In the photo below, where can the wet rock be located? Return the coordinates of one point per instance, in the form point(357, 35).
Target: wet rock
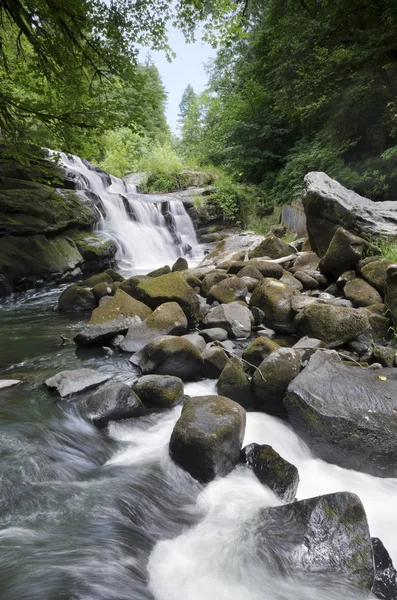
point(227, 291)
point(214, 334)
point(94, 335)
point(258, 350)
point(292, 281)
point(360, 293)
point(234, 318)
point(197, 340)
point(385, 584)
point(159, 391)
point(385, 355)
point(267, 268)
point(343, 413)
point(101, 290)
point(324, 538)
point(92, 281)
point(180, 264)
point(343, 253)
point(130, 285)
point(170, 288)
point(233, 383)
point(274, 298)
point(335, 325)
point(272, 470)
point(308, 346)
point(309, 283)
point(8, 383)
point(115, 275)
point(272, 377)
point(215, 360)
point(375, 274)
point(76, 299)
point(67, 383)
point(169, 355)
point(113, 402)
point(250, 283)
point(272, 247)
point(207, 438)
point(121, 305)
point(250, 271)
point(161, 271)
point(328, 205)
point(258, 315)
point(210, 280)
point(307, 260)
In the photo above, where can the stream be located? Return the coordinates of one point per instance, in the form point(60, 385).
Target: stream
point(87, 514)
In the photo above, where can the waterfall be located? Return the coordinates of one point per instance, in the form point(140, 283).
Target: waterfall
point(149, 230)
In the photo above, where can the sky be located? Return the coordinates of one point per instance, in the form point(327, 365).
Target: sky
point(187, 67)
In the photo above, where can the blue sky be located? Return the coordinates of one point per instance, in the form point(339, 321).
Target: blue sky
point(187, 67)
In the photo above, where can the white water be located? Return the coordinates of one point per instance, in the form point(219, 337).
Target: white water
point(135, 221)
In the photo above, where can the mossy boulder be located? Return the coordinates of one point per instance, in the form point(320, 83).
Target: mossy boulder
point(161, 271)
point(272, 377)
point(258, 350)
point(272, 247)
point(227, 291)
point(114, 401)
point(274, 298)
point(93, 249)
point(169, 355)
point(272, 470)
point(76, 299)
point(335, 325)
point(375, 273)
point(101, 289)
point(266, 268)
point(215, 360)
point(391, 291)
point(210, 280)
point(233, 383)
point(180, 264)
point(235, 318)
point(385, 355)
point(171, 287)
point(250, 271)
point(207, 438)
point(344, 252)
point(192, 280)
point(308, 282)
point(130, 285)
point(159, 391)
point(95, 279)
point(121, 305)
point(361, 293)
point(306, 261)
point(115, 275)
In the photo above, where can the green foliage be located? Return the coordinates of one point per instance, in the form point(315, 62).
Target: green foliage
point(163, 166)
point(383, 246)
point(237, 201)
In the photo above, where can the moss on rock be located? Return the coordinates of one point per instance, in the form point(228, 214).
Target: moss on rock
point(335, 325)
point(76, 299)
point(227, 291)
point(361, 293)
point(121, 305)
point(233, 383)
point(272, 247)
point(258, 350)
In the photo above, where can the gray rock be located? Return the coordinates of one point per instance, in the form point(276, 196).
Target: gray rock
point(234, 318)
point(272, 470)
point(7, 383)
point(328, 205)
point(180, 264)
point(207, 438)
point(274, 298)
point(324, 539)
point(169, 355)
point(159, 391)
point(385, 584)
point(113, 402)
point(308, 346)
point(308, 282)
point(67, 383)
point(196, 339)
point(93, 335)
point(346, 414)
point(233, 383)
point(76, 298)
point(215, 360)
point(343, 253)
point(214, 334)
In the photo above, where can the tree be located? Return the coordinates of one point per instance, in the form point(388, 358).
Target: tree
point(188, 97)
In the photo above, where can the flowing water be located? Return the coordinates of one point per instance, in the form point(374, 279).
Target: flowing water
point(106, 515)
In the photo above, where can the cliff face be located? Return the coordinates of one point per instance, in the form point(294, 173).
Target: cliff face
point(46, 230)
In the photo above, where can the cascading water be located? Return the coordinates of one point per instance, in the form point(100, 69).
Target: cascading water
point(149, 230)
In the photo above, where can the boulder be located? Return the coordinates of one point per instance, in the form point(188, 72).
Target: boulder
point(289, 279)
point(101, 290)
point(8, 383)
point(76, 299)
point(272, 470)
point(323, 540)
point(308, 282)
point(308, 346)
point(167, 319)
point(385, 355)
point(234, 318)
point(272, 247)
point(360, 293)
point(67, 383)
point(233, 383)
point(375, 273)
point(215, 360)
point(93, 335)
point(121, 305)
point(266, 268)
point(115, 275)
point(385, 584)
point(210, 280)
point(214, 334)
point(252, 272)
point(130, 285)
point(171, 287)
point(250, 283)
point(169, 355)
point(207, 438)
point(227, 291)
point(92, 281)
point(113, 402)
point(272, 377)
point(328, 205)
point(180, 264)
point(256, 352)
point(274, 298)
point(234, 247)
point(343, 253)
point(346, 414)
point(391, 291)
point(161, 271)
point(335, 325)
point(196, 339)
point(307, 260)
point(159, 391)
point(96, 251)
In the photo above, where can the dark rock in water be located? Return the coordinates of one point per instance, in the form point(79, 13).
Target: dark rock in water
point(233, 383)
point(324, 539)
point(328, 205)
point(234, 318)
point(343, 253)
point(385, 584)
point(93, 335)
point(67, 383)
point(169, 355)
point(215, 360)
point(207, 438)
point(5, 286)
point(346, 414)
point(180, 264)
point(335, 325)
point(113, 402)
point(272, 470)
point(272, 377)
point(161, 271)
point(76, 299)
point(159, 391)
